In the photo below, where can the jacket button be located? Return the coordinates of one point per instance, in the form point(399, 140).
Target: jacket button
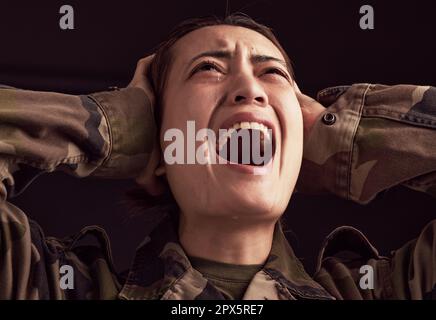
point(329, 118)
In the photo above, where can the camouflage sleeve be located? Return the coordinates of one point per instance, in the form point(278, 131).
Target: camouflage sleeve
point(349, 267)
point(371, 138)
point(107, 134)
point(36, 267)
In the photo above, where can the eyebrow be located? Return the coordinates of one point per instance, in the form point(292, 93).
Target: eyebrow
point(223, 54)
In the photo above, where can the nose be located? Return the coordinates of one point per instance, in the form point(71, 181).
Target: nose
point(245, 89)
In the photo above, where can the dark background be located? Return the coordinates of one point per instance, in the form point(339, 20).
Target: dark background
point(322, 38)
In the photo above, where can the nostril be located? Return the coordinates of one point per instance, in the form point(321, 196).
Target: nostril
point(259, 99)
point(239, 98)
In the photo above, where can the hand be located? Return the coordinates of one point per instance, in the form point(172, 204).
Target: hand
point(149, 176)
point(310, 108)
point(140, 77)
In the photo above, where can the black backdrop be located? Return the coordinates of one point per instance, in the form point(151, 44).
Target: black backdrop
point(324, 41)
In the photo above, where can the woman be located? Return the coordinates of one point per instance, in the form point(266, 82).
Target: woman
point(221, 239)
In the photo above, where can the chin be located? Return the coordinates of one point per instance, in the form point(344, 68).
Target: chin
point(254, 205)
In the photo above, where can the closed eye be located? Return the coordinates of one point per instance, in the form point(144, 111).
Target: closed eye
point(207, 66)
point(276, 71)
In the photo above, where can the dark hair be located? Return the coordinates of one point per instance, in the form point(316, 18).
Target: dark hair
point(160, 66)
point(137, 199)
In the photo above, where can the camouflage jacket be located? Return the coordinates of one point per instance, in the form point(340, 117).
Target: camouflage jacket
point(370, 138)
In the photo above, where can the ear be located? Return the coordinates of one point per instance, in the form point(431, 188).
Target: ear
point(149, 177)
point(160, 170)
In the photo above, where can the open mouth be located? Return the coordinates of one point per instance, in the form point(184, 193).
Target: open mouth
point(248, 143)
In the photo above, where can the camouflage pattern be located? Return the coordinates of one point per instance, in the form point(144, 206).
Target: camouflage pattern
point(408, 273)
point(383, 136)
point(170, 276)
point(110, 134)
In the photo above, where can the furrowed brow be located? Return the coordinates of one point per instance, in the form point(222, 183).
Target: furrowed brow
point(224, 54)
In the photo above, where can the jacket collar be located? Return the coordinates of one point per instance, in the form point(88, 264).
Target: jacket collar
point(161, 270)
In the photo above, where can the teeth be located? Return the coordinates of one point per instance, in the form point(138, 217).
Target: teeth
point(255, 125)
point(251, 125)
point(245, 125)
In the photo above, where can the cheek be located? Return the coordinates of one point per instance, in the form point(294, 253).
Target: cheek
point(191, 103)
point(289, 114)
point(292, 139)
point(180, 107)
point(199, 103)
point(296, 119)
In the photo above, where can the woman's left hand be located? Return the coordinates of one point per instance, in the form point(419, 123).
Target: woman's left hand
point(310, 108)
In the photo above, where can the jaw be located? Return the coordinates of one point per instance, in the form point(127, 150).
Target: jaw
point(269, 192)
point(247, 188)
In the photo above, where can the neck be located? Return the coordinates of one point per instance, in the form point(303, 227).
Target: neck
point(226, 241)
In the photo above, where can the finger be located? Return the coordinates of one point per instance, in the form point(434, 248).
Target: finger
point(304, 100)
point(143, 64)
point(141, 69)
point(296, 88)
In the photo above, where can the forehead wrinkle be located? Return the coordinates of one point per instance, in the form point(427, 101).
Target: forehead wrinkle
point(241, 49)
point(223, 41)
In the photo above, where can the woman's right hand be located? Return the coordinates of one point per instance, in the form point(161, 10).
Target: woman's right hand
point(149, 176)
point(140, 80)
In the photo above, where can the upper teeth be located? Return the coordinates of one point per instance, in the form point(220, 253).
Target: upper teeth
point(244, 125)
point(252, 125)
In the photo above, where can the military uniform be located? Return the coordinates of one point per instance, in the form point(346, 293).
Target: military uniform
point(370, 138)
